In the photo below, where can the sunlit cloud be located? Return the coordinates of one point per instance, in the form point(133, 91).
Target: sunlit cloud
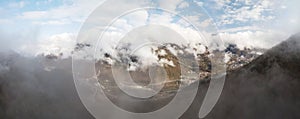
point(243, 21)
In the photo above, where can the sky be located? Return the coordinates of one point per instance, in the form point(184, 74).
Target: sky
point(51, 26)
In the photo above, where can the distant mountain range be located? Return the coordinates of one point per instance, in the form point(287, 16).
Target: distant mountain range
point(259, 84)
point(183, 65)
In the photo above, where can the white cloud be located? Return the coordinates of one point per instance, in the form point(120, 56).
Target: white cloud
point(199, 3)
point(137, 18)
point(183, 5)
point(60, 43)
point(55, 44)
point(164, 18)
point(220, 3)
point(206, 23)
point(254, 39)
point(249, 11)
point(169, 4)
point(79, 9)
point(53, 22)
point(244, 28)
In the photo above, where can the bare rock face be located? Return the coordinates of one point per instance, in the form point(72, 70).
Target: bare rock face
point(179, 62)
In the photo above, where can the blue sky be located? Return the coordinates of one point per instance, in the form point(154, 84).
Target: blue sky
point(28, 23)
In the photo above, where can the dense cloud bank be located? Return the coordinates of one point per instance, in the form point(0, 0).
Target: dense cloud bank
point(34, 89)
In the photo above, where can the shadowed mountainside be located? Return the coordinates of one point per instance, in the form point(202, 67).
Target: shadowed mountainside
point(267, 88)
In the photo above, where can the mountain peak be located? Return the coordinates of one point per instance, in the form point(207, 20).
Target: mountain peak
point(285, 55)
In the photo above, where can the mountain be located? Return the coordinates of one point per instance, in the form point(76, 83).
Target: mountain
point(266, 88)
point(183, 64)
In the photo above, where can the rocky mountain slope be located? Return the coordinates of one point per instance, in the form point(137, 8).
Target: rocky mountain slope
point(267, 88)
point(183, 65)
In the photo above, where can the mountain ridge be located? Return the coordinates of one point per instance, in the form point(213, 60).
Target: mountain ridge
point(265, 88)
